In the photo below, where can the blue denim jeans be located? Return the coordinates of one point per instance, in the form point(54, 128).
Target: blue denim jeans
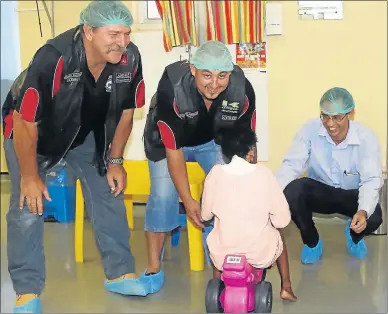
point(162, 210)
point(26, 260)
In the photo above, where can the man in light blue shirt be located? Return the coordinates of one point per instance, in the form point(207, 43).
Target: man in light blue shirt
point(344, 175)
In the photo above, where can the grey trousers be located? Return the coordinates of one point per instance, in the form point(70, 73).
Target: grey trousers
point(26, 260)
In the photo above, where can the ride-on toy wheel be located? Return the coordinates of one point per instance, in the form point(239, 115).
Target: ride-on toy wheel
point(263, 297)
point(213, 293)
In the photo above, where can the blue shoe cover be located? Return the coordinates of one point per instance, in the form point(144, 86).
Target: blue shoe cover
point(128, 286)
point(358, 250)
point(312, 255)
point(153, 282)
point(32, 306)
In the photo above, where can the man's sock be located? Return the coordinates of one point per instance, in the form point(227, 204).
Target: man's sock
point(24, 298)
point(126, 276)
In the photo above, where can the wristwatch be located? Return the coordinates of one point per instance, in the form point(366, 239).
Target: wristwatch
point(116, 161)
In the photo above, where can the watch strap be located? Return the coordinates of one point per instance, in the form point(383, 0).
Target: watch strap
point(116, 161)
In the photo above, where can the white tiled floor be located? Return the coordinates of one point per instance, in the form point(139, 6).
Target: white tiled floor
point(337, 284)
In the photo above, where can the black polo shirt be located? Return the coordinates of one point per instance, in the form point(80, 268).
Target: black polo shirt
point(43, 81)
point(171, 126)
point(95, 102)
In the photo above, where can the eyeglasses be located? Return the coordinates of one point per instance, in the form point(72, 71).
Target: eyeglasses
point(336, 118)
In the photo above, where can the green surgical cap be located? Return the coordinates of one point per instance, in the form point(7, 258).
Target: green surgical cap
point(212, 55)
point(336, 101)
point(101, 13)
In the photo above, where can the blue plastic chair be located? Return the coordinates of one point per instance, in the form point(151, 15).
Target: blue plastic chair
point(60, 183)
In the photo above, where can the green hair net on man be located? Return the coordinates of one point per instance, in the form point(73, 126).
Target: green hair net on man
point(212, 55)
point(101, 13)
point(336, 100)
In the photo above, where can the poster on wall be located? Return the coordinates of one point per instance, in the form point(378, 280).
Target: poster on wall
point(252, 56)
point(263, 57)
point(321, 10)
point(259, 81)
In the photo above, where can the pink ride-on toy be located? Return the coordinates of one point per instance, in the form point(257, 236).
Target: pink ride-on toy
point(241, 290)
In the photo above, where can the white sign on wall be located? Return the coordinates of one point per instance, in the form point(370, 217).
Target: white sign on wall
point(321, 10)
point(273, 19)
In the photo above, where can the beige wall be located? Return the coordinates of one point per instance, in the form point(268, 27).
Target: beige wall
point(309, 58)
point(313, 56)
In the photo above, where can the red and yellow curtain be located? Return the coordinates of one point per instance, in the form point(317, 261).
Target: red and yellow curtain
point(179, 27)
point(235, 21)
point(228, 21)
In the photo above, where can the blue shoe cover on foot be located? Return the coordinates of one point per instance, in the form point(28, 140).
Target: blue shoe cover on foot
point(153, 282)
point(128, 287)
point(358, 250)
point(32, 306)
point(312, 255)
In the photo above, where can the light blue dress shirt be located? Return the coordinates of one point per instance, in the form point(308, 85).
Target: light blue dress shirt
point(355, 163)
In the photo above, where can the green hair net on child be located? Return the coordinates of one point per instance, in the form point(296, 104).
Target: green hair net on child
point(336, 100)
point(212, 55)
point(101, 13)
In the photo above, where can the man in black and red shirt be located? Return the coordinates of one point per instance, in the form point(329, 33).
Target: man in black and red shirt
point(74, 102)
point(192, 103)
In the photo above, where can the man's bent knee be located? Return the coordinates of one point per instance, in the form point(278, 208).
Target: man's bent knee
point(22, 218)
point(161, 216)
point(295, 189)
point(376, 219)
point(162, 212)
point(297, 185)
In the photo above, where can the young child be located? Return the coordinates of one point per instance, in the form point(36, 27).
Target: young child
point(248, 206)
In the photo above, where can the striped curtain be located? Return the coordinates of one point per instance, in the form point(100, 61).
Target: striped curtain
point(233, 21)
point(179, 26)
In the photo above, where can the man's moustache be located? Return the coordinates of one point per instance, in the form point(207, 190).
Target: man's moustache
point(122, 50)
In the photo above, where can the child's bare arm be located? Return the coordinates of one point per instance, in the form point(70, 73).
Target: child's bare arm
point(208, 195)
point(279, 212)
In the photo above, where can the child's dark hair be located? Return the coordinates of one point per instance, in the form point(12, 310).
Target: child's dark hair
point(236, 141)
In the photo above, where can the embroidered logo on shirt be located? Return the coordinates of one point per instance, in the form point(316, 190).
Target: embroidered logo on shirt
point(73, 77)
point(229, 110)
point(124, 77)
point(231, 107)
point(108, 85)
point(189, 115)
point(228, 118)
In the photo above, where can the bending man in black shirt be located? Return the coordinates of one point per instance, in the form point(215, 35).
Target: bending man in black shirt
point(191, 104)
point(75, 101)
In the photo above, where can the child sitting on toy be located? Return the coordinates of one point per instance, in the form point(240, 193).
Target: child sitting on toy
point(248, 206)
